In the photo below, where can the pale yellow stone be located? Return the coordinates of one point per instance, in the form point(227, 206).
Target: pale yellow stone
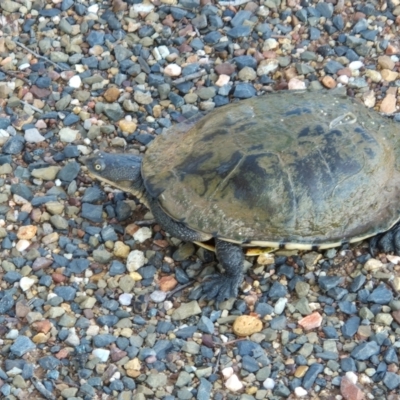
point(127, 126)
point(246, 325)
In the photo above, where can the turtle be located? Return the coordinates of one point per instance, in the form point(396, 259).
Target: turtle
point(292, 169)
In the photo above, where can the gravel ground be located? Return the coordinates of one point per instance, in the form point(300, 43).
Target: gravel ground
point(87, 302)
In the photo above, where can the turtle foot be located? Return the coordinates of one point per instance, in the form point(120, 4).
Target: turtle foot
point(388, 242)
point(222, 286)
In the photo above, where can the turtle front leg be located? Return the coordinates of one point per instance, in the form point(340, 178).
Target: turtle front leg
point(386, 242)
point(175, 228)
point(226, 285)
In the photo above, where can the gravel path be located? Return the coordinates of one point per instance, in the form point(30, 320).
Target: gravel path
point(88, 307)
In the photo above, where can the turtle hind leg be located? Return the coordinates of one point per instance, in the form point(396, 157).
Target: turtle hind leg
point(387, 242)
point(226, 285)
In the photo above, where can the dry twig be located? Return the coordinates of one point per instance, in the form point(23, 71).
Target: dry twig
point(15, 75)
point(41, 389)
point(190, 77)
point(233, 3)
point(31, 106)
point(39, 56)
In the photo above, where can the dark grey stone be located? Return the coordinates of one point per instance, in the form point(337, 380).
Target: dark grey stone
point(14, 145)
point(329, 282)
point(21, 346)
point(391, 380)
point(67, 293)
point(109, 320)
point(92, 212)
point(381, 295)
point(311, 375)
point(95, 38)
point(365, 350)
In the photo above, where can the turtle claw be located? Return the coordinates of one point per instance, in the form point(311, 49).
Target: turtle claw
point(220, 287)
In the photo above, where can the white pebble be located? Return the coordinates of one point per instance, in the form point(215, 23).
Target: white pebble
point(280, 305)
point(222, 80)
point(296, 84)
point(12, 334)
point(93, 9)
point(142, 234)
point(269, 384)
point(4, 134)
point(172, 70)
point(73, 338)
point(227, 372)
point(135, 260)
point(26, 283)
point(93, 330)
point(33, 136)
point(343, 79)
point(300, 392)
point(158, 296)
point(233, 384)
point(356, 65)
point(14, 372)
point(83, 149)
point(352, 376)
point(164, 51)
point(168, 305)
point(22, 245)
point(270, 44)
point(24, 66)
point(125, 299)
point(68, 135)
point(102, 354)
point(75, 82)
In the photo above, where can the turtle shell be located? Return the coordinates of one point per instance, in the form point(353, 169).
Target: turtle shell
point(292, 169)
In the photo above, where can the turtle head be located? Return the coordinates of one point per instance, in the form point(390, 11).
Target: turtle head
point(122, 171)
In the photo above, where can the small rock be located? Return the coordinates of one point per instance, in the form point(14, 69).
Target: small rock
point(233, 384)
point(142, 234)
point(300, 392)
point(328, 82)
point(173, 70)
point(135, 260)
point(26, 283)
point(75, 82)
point(111, 94)
point(33, 136)
point(186, 310)
point(349, 390)
point(311, 321)
point(388, 105)
point(388, 75)
point(68, 135)
point(102, 354)
point(269, 384)
point(142, 97)
point(127, 126)
point(26, 232)
point(167, 283)
point(246, 325)
point(296, 84)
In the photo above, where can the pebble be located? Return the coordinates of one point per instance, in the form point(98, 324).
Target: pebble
point(233, 383)
point(186, 310)
point(246, 325)
point(173, 70)
point(311, 321)
point(68, 135)
point(135, 260)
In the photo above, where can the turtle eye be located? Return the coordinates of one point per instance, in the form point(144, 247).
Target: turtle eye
point(99, 165)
